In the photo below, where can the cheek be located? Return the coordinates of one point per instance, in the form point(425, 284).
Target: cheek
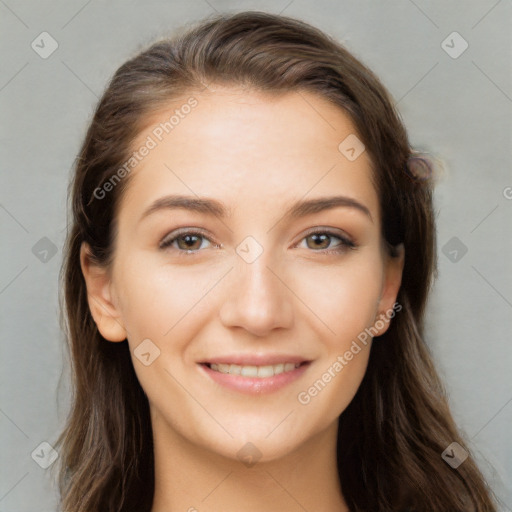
point(156, 299)
point(330, 389)
point(343, 296)
point(165, 305)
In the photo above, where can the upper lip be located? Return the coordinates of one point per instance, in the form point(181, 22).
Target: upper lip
point(255, 359)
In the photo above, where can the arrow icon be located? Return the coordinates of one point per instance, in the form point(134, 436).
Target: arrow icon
point(454, 249)
point(44, 455)
point(249, 454)
point(146, 352)
point(44, 45)
point(351, 147)
point(44, 249)
point(249, 249)
point(454, 455)
point(454, 45)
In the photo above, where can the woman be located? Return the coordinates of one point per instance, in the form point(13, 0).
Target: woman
point(245, 280)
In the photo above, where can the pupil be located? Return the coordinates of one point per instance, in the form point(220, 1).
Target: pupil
point(318, 238)
point(189, 240)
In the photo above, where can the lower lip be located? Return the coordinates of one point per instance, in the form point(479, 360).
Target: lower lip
point(255, 385)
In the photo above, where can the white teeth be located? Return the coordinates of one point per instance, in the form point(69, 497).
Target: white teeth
point(265, 371)
point(249, 371)
point(278, 368)
point(234, 369)
point(261, 372)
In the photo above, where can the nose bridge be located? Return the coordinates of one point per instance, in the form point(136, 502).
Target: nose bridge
point(257, 299)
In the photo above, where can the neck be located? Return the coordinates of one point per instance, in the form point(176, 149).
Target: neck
point(191, 478)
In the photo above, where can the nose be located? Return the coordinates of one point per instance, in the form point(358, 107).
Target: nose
point(258, 298)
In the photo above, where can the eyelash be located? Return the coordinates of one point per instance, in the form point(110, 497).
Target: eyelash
point(345, 243)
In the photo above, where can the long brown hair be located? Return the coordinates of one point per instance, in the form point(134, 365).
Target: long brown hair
point(394, 431)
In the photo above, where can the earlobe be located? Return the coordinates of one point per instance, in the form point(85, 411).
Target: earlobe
point(99, 296)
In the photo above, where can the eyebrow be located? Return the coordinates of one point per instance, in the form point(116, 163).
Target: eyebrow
point(216, 208)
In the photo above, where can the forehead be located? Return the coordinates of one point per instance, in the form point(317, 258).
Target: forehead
point(249, 149)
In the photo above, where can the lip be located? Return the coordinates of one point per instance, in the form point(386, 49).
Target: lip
point(255, 385)
point(256, 359)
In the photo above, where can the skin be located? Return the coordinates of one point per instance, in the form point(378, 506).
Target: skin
point(257, 154)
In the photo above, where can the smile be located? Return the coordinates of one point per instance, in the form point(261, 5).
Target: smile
point(261, 372)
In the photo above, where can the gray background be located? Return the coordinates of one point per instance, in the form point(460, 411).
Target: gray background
point(457, 108)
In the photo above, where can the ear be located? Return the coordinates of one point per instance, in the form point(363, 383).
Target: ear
point(392, 280)
point(99, 296)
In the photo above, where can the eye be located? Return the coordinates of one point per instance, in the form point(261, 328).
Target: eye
point(190, 242)
point(322, 239)
point(187, 242)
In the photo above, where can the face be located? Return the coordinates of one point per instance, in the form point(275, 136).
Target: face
point(245, 314)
